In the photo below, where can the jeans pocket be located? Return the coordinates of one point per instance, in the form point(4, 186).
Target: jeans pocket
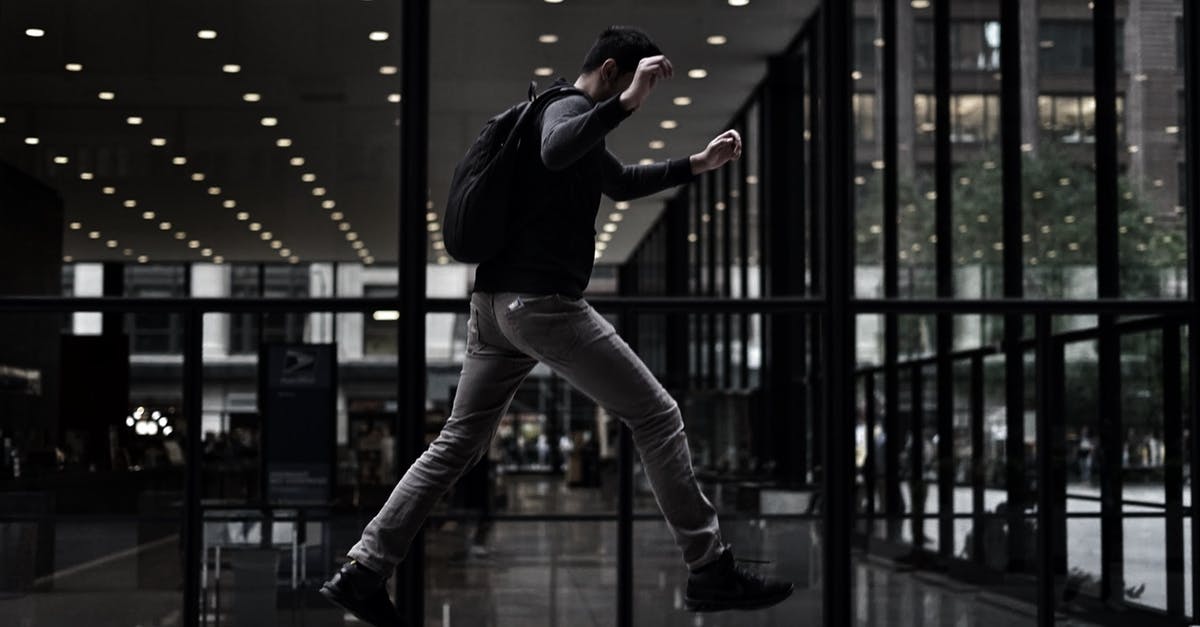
point(548, 324)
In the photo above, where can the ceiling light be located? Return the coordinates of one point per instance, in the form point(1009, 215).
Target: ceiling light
point(179, 161)
point(318, 191)
point(32, 141)
point(297, 161)
point(158, 141)
point(112, 243)
point(143, 259)
point(243, 215)
point(308, 177)
point(75, 226)
point(606, 237)
point(554, 1)
point(682, 101)
point(214, 191)
point(134, 120)
point(657, 144)
point(197, 176)
point(920, 4)
point(668, 124)
point(218, 259)
point(180, 235)
point(369, 259)
point(361, 252)
point(856, 75)
point(716, 40)
point(432, 226)
point(3, 119)
point(207, 34)
point(336, 215)
point(358, 245)
point(194, 244)
point(351, 236)
point(738, 3)
point(285, 252)
point(106, 95)
point(283, 142)
point(276, 244)
point(646, 161)
point(229, 204)
point(345, 226)
point(616, 217)
point(147, 215)
point(269, 121)
point(622, 205)
point(610, 228)
point(251, 97)
point(378, 35)
point(231, 68)
point(61, 160)
point(266, 235)
point(601, 245)
point(697, 73)
point(109, 191)
point(94, 235)
point(548, 38)
point(255, 226)
point(164, 226)
point(543, 71)
point(328, 204)
point(74, 67)
point(68, 259)
point(130, 204)
point(393, 97)
point(34, 32)
point(293, 259)
point(87, 176)
point(431, 216)
point(387, 70)
point(207, 252)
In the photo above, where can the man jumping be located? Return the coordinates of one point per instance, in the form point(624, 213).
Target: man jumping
point(527, 306)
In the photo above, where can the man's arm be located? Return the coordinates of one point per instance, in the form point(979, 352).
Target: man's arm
point(627, 182)
point(570, 128)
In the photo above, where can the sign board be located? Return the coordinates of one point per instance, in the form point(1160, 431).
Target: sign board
point(298, 403)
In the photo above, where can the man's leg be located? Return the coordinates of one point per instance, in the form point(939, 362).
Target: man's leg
point(492, 371)
point(577, 342)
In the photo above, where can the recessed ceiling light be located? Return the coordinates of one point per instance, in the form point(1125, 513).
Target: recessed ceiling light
point(393, 97)
point(133, 120)
point(285, 252)
point(112, 243)
point(329, 204)
point(369, 259)
point(387, 70)
point(548, 38)
point(293, 259)
point(283, 142)
point(218, 259)
point(606, 237)
point(920, 4)
point(109, 190)
point(318, 191)
point(75, 226)
point(269, 121)
point(74, 67)
point(106, 95)
point(87, 176)
point(308, 177)
point(336, 215)
point(378, 35)
point(32, 141)
point(164, 226)
point(229, 204)
point(432, 226)
point(243, 215)
point(657, 144)
point(207, 34)
point(207, 252)
point(554, 1)
point(158, 141)
point(94, 235)
point(127, 252)
point(358, 245)
point(622, 205)
point(179, 161)
point(147, 215)
point(3, 119)
point(543, 71)
point(255, 226)
point(276, 244)
point(231, 68)
point(60, 160)
point(351, 236)
point(214, 191)
point(345, 226)
point(697, 73)
point(668, 124)
point(610, 228)
point(181, 235)
point(251, 97)
point(130, 204)
point(716, 40)
point(738, 3)
point(194, 244)
point(682, 101)
point(197, 176)
point(616, 217)
point(646, 161)
point(297, 161)
point(856, 75)
point(143, 259)
point(35, 32)
point(68, 259)
point(266, 235)
point(601, 245)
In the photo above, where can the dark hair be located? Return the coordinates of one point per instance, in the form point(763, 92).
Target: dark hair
point(624, 44)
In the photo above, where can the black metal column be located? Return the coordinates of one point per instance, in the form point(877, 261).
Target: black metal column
point(626, 454)
point(1173, 465)
point(414, 177)
point(837, 476)
point(193, 393)
point(945, 280)
point(1050, 461)
point(891, 279)
point(978, 469)
point(1191, 19)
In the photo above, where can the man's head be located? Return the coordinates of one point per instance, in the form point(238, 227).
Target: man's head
point(610, 64)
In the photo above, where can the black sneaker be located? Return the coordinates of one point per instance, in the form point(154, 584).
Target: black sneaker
point(726, 585)
point(361, 592)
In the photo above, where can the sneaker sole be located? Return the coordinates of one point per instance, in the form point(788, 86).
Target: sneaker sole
point(336, 599)
point(695, 605)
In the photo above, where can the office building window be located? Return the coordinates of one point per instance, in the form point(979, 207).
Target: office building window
point(1067, 46)
point(156, 333)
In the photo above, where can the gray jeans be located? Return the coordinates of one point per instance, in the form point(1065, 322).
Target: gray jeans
point(507, 335)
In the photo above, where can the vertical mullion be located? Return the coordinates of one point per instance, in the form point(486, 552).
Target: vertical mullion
point(945, 285)
point(916, 457)
point(694, 244)
point(978, 477)
point(710, 244)
point(1173, 458)
point(193, 382)
point(412, 247)
point(891, 281)
point(869, 466)
point(744, 258)
point(727, 276)
point(1050, 454)
point(1191, 18)
point(625, 456)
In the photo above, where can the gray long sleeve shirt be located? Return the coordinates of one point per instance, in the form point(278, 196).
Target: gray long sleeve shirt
point(563, 169)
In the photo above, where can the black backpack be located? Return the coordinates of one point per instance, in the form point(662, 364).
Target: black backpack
point(478, 207)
